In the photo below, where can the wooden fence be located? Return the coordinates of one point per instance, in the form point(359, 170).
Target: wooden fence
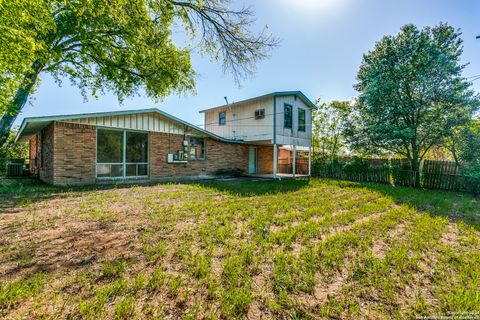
point(442, 175)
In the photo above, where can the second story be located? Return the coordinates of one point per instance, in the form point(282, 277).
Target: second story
point(283, 118)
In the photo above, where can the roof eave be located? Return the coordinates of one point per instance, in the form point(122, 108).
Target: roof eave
point(26, 121)
point(300, 94)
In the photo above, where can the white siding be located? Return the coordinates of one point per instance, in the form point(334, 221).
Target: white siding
point(240, 121)
point(144, 122)
point(293, 136)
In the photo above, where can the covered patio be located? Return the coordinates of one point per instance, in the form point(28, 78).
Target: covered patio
point(280, 162)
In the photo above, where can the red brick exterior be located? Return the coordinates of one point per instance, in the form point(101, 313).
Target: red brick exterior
point(74, 153)
point(66, 155)
point(265, 159)
point(46, 152)
point(33, 155)
point(221, 158)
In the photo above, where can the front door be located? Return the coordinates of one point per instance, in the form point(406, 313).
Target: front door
point(252, 160)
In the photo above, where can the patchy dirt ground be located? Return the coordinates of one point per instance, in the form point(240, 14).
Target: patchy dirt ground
point(258, 250)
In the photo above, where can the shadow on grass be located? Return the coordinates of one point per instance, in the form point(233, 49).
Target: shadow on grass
point(24, 191)
point(255, 188)
point(456, 206)
point(15, 192)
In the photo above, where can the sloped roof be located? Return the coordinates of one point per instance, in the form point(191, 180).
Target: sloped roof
point(299, 94)
point(32, 125)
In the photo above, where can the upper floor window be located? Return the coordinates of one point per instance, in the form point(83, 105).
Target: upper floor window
point(221, 118)
point(259, 114)
point(287, 116)
point(301, 120)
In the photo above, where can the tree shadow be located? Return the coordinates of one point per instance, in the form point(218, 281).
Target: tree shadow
point(456, 206)
point(255, 188)
point(18, 192)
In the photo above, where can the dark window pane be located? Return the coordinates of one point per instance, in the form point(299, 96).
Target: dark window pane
point(137, 147)
point(131, 170)
point(221, 118)
point(143, 169)
point(109, 146)
point(301, 120)
point(287, 110)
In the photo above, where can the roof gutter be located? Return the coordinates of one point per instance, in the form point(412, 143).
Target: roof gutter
point(26, 121)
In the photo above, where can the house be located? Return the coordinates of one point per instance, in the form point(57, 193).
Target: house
point(251, 137)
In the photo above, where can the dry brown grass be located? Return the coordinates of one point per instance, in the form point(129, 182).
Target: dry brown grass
point(263, 250)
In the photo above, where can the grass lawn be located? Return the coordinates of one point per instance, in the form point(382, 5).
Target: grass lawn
point(257, 250)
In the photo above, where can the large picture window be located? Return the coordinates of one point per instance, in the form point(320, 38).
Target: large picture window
point(121, 153)
point(287, 116)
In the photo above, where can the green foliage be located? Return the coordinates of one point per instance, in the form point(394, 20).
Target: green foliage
point(125, 308)
point(328, 127)
point(464, 143)
point(113, 269)
point(10, 293)
point(122, 46)
point(12, 150)
point(411, 93)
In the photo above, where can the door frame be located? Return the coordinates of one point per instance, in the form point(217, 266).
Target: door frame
point(256, 159)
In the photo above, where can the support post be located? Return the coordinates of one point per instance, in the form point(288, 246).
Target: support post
point(275, 161)
point(309, 161)
point(294, 163)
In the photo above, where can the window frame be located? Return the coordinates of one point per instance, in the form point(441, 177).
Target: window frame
point(190, 148)
point(224, 113)
point(302, 128)
point(285, 106)
point(124, 162)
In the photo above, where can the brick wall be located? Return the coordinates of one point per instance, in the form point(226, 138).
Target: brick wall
point(32, 155)
point(69, 150)
point(74, 153)
point(46, 154)
point(221, 158)
point(265, 159)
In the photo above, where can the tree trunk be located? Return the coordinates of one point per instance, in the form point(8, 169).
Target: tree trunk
point(415, 163)
point(18, 102)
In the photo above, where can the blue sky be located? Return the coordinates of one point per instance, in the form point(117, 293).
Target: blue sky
point(322, 42)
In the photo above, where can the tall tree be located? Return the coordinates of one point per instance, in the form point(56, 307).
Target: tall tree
point(118, 45)
point(328, 127)
point(412, 92)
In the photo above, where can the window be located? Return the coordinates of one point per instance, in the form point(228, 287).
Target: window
point(197, 148)
point(121, 153)
point(301, 120)
point(136, 154)
point(221, 118)
point(259, 114)
point(109, 153)
point(287, 116)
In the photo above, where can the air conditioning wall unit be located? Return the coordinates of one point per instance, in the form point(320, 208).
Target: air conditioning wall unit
point(259, 114)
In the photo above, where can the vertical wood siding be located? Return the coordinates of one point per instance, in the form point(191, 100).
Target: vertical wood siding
point(293, 136)
point(240, 121)
point(145, 122)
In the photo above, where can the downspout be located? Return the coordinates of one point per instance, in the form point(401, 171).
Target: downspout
point(274, 137)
